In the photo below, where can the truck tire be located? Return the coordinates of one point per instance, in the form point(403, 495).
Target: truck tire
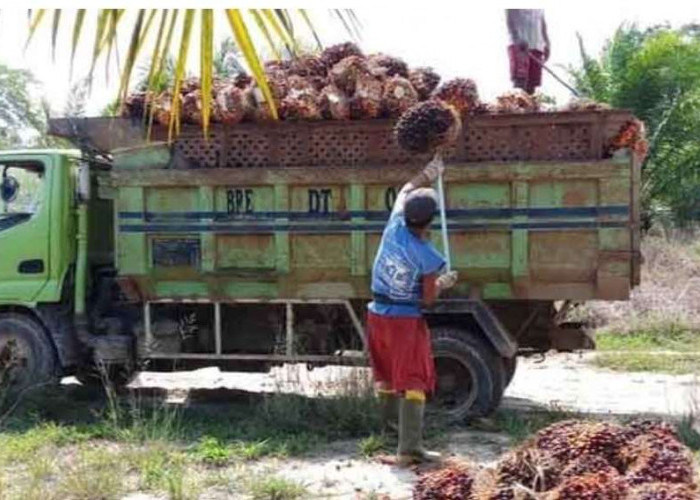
point(509, 367)
point(27, 358)
point(470, 374)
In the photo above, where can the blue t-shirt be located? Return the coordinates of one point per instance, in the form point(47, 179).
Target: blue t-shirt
point(397, 276)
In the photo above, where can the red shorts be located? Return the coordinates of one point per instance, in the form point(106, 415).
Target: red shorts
point(401, 353)
point(525, 72)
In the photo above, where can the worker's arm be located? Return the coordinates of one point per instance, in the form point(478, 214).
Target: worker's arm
point(433, 285)
point(545, 35)
point(425, 178)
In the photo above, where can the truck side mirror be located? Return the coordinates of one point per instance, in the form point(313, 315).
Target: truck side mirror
point(84, 182)
point(9, 188)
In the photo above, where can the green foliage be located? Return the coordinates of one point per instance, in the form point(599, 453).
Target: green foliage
point(22, 120)
point(656, 74)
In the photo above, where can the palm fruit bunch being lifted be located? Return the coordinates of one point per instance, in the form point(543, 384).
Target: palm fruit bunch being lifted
point(581, 460)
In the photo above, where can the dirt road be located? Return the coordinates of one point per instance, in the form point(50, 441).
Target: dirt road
point(562, 380)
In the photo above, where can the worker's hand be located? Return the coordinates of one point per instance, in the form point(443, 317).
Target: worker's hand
point(446, 281)
point(523, 46)
point(434, 169)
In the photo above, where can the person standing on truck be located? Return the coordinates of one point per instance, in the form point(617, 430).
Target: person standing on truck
point(529, 47)
point(405, 278)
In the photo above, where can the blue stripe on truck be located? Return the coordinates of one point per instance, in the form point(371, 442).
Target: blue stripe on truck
point(469, 213)
point(349, 227)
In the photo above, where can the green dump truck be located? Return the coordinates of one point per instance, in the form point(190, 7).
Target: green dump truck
point(254, 246)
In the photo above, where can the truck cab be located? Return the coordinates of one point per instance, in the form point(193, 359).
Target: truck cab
point(40, 208)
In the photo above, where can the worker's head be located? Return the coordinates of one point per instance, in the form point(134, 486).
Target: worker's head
point(419, 210)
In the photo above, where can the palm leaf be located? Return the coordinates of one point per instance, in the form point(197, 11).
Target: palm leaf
point(240, 33)
point(206, 64)
point(282, 33)
point(305, 17)
point(266, 33)
point(34, 23)
point(98, 44)
point(54, 32)
point(161, 64)
point(131, 55)
point(77, 29)
point(180, 68)
point(150, 79)
point(115, 16)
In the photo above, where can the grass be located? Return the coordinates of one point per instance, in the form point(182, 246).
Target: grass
point(372, 445)
point(97, 473)
point(270, 487)
point(675, 363)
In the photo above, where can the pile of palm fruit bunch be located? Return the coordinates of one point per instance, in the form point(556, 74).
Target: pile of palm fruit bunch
point(340, 83)
point(577, 460)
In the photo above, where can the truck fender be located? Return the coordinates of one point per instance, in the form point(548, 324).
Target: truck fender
point(494, 331)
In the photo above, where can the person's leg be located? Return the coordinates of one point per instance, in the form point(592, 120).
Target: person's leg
point(534, 74)
point(388, 408)
point(380, 359)
point(415, 377)
point(519, 66)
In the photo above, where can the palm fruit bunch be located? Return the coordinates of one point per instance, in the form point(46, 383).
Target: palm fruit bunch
point(312, 68)
point(461, 93)
point(649, 442)
point(661, 466)
point(530, 467)
point(638, 427)
point(594, 486)
point(427, 126)
point(366, 101)
point(632, 135)
point(453, 482)
point(334, 104)
point(583, 104)
point(424, 80)
point(345, 73)
point(192, 107)
point(162, 108)
point(231, 106)
point(587, 464)
point(335, 53)
point(663, 491)
point(135, 105)
point(242, 80)
point(301, 101)
point(488, 485)
point(572, 439)
point(516, 101)
point(398, 94)
point(384, 66)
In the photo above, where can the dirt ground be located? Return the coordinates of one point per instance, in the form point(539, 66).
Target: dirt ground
point(562, 381)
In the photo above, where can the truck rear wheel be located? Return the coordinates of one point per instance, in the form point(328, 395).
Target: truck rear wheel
point(470, 375)
point(27, 358)
point(509, 366)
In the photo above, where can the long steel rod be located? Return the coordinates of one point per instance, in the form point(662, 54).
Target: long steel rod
point(443, 223)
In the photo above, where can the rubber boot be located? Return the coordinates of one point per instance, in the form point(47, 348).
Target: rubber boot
point(389, 411)
point(411, 451)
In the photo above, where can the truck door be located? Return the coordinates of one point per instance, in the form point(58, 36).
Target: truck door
point(24, 227)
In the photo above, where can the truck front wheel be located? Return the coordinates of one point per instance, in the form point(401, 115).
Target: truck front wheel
point(27, 358)
point(470, 375)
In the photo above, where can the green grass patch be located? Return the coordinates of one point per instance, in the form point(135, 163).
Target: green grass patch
point(270, 487)
point(651, 335)
point(371, 445)
point(675, 364)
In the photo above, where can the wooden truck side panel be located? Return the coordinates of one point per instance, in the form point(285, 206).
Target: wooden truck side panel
point(518, 230)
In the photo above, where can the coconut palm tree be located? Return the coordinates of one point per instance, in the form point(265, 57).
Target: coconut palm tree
point(173, 28)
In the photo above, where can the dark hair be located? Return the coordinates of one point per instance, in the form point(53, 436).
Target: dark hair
point(418, 224)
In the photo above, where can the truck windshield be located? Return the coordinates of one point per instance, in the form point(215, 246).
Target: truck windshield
point(21, 186)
